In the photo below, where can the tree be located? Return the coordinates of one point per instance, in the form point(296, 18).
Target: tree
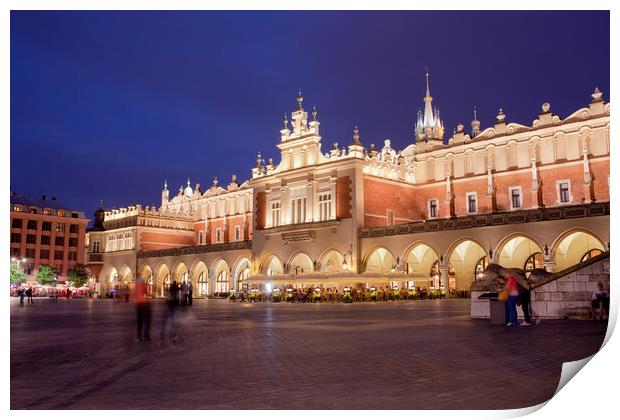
point(46, 275)
point(78, 274)
point(17, 274)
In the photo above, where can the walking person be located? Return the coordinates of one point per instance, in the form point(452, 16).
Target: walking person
point(22, 293)
point(184, 293)
point(143, 311)
point(29, 294)
point(168, 326)
point(190, 293)
point(525, 300)
point(513, 294)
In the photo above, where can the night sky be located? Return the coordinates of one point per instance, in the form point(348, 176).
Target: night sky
point(106, 105)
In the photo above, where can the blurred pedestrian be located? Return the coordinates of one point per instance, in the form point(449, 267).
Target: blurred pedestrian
point(29, 294)
point(169, 323)
point(513, 294)
point(21, 293)
point(190, 294)
point(525, 300)
point(184, 293)
point(143, 311)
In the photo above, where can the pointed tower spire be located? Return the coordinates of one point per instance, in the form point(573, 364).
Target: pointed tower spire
point(165, 184)
point(428, 105)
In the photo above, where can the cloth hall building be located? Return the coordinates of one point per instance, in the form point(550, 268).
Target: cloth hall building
point(432, 215)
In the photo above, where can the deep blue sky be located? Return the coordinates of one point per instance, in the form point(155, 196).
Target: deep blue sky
point(106, 105)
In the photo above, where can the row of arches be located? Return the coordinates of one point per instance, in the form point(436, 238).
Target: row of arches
point(419, 265)
point(466, 258)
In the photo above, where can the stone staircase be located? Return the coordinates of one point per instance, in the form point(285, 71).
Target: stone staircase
point(567, 294)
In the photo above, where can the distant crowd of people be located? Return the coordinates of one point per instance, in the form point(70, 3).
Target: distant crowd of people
point(53, 294)
point(336, 295)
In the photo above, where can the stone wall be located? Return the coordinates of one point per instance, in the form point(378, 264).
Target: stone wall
point(568, 295)
point(565, 294)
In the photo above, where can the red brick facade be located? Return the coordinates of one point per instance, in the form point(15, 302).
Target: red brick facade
point(260, 210)
point(343, 197)
point(157, 240)
point(410, 203)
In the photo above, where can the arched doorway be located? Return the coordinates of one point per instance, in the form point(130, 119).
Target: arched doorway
point(272, 266)
point(162, 280)
point(200, 279)
point(126, 278)
point(423, 265)
point(180, 273)
point(380, 260)
point(221, 272)
point(520, 251)
point(572, 248)
point(467, 258)
point(300, 263)
point(332, 262)
point(146, 274)
point(243, 270)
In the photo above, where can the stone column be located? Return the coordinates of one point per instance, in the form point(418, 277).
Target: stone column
point(445, 282)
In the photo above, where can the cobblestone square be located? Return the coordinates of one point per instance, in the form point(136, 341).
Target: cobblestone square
point(394, 355)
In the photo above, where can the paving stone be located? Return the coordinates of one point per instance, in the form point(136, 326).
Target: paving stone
point(392, 355)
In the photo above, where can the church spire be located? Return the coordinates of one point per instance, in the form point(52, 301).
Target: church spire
point(429, 125)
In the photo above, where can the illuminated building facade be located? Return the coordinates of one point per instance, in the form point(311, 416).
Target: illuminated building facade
point(432, 215)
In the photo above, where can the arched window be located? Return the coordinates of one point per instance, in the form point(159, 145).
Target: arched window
point(221, 282)
point(165, 285)
point(243, 276)
point(203, 284)
point(481, 265)
point(535, 261)
point(591, 253)
point(149, 285)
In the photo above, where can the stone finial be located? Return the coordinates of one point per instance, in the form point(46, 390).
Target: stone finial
point(546, 107)
point(460, 128)
point(215, 182)
point(234, 179)
point(475, 123)
point(314, 112)
point(501, 117)
point(300, 99)
point(285, 122)
point(597, 95)
point(356, 136)
point(165, 184)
